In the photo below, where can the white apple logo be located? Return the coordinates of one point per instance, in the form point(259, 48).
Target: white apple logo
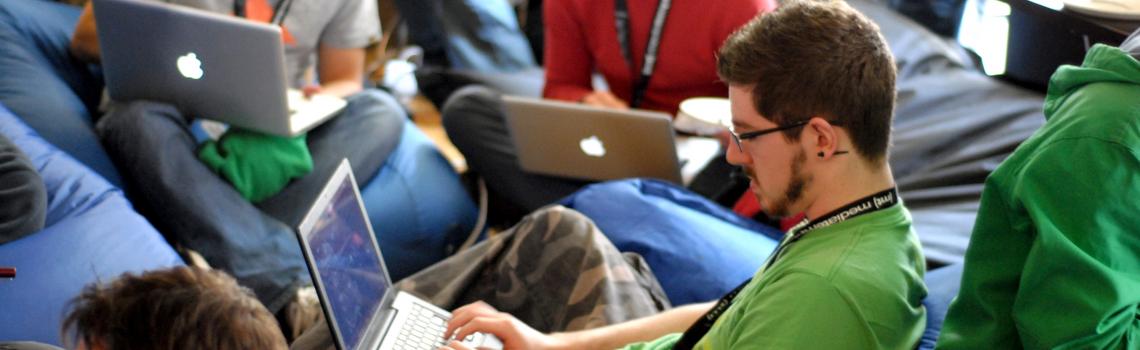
point(190, 66)
point(592, 146)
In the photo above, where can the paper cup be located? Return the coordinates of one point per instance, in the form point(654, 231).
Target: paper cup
point(703, 115)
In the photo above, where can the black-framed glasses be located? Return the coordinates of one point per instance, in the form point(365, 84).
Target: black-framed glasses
point(737, 138)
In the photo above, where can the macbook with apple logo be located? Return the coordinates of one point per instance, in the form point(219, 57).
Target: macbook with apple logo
point(590, 143)
point(207, 65)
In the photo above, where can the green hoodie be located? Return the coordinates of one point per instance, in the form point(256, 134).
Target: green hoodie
point(1054, 260)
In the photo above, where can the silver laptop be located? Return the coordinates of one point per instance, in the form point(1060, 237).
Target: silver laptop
point(363, 310)
point(208, 65)
point(583, 142)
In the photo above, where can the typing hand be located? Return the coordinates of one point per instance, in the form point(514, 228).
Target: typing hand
point(482, 318)
point(605, 99)
point(310, 90)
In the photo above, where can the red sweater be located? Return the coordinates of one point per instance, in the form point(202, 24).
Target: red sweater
point(581, 37)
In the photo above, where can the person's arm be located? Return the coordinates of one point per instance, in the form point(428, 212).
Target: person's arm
point(480, 317)
point(341, 54)
point(569, 64)
point(603, 98)
point(341, 70)
point(85, 41)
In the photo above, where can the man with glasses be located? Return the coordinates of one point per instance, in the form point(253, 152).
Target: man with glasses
point(812, 93)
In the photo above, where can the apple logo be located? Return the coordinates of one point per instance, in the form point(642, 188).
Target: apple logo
point(592, 146)
point(190, 66)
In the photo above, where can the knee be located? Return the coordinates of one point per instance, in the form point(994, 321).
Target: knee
point(374, 97)
point(472, 101)
point(559, 223)
point(377, 107)
point(129, 118)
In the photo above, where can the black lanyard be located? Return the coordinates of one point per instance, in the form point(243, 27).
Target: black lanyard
point(621, 16)
point(866, 205)
point(279, 11)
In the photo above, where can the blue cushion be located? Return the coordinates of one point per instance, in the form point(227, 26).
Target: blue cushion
point(943, 285)
point(92, 234)
point(417, 206)
point(43, 84)
point(698, 250)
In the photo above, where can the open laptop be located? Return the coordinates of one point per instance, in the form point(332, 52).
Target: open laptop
point(583, 142)
point(208, 65)
point(362, 308)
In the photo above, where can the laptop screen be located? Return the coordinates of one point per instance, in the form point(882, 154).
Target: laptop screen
point(348, 263)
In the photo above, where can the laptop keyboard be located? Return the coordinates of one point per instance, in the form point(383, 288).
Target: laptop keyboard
point(307, 112)
point(423, 329)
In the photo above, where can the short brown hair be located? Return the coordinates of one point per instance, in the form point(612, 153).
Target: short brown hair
point(816, 58)
point(179, 308)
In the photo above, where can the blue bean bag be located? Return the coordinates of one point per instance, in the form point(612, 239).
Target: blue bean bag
point(46, 87)
point(91, 234)
point(417, 205)
point(698, 250)
point(943, 285)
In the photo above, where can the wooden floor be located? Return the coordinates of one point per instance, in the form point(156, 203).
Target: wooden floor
point(426, 116)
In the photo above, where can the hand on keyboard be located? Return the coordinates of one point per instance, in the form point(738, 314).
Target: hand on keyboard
point(493, 330)
point(310, 90)
point(480, 341)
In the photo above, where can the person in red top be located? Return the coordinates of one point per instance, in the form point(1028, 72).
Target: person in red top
point(583, 37)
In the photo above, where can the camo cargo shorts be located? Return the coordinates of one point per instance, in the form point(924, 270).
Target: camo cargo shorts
point(555, 271)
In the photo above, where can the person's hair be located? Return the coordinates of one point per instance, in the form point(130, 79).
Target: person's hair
point(816, 58)
point(178, 308)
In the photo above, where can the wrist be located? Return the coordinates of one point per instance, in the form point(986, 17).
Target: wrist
point(566, 341)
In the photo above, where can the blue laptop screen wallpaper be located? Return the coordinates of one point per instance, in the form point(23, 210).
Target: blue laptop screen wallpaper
point(350, 269)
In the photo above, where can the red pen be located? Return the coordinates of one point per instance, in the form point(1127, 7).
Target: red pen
point(7, 272)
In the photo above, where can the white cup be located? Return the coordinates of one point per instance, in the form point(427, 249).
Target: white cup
point(703, 115)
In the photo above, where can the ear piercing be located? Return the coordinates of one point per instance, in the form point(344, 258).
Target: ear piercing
point(820, 154)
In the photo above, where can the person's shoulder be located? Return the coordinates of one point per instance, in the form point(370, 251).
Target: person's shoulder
point(858, 242)
point(873, 253)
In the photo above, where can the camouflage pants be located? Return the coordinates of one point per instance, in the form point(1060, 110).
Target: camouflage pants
point(554, 271)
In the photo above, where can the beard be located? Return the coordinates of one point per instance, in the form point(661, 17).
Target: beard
point(780, 206)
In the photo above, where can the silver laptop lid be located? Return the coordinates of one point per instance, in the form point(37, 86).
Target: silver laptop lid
point(583, 142)
point(208, 65)
point(345, 262)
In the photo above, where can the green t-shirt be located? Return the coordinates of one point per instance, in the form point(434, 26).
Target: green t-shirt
point(1054, 260)
point(856, 284)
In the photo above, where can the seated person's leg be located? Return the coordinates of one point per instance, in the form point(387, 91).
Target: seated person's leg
point(153, 147)
point(554, 270)
point(365, 132)
point(475, 122)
